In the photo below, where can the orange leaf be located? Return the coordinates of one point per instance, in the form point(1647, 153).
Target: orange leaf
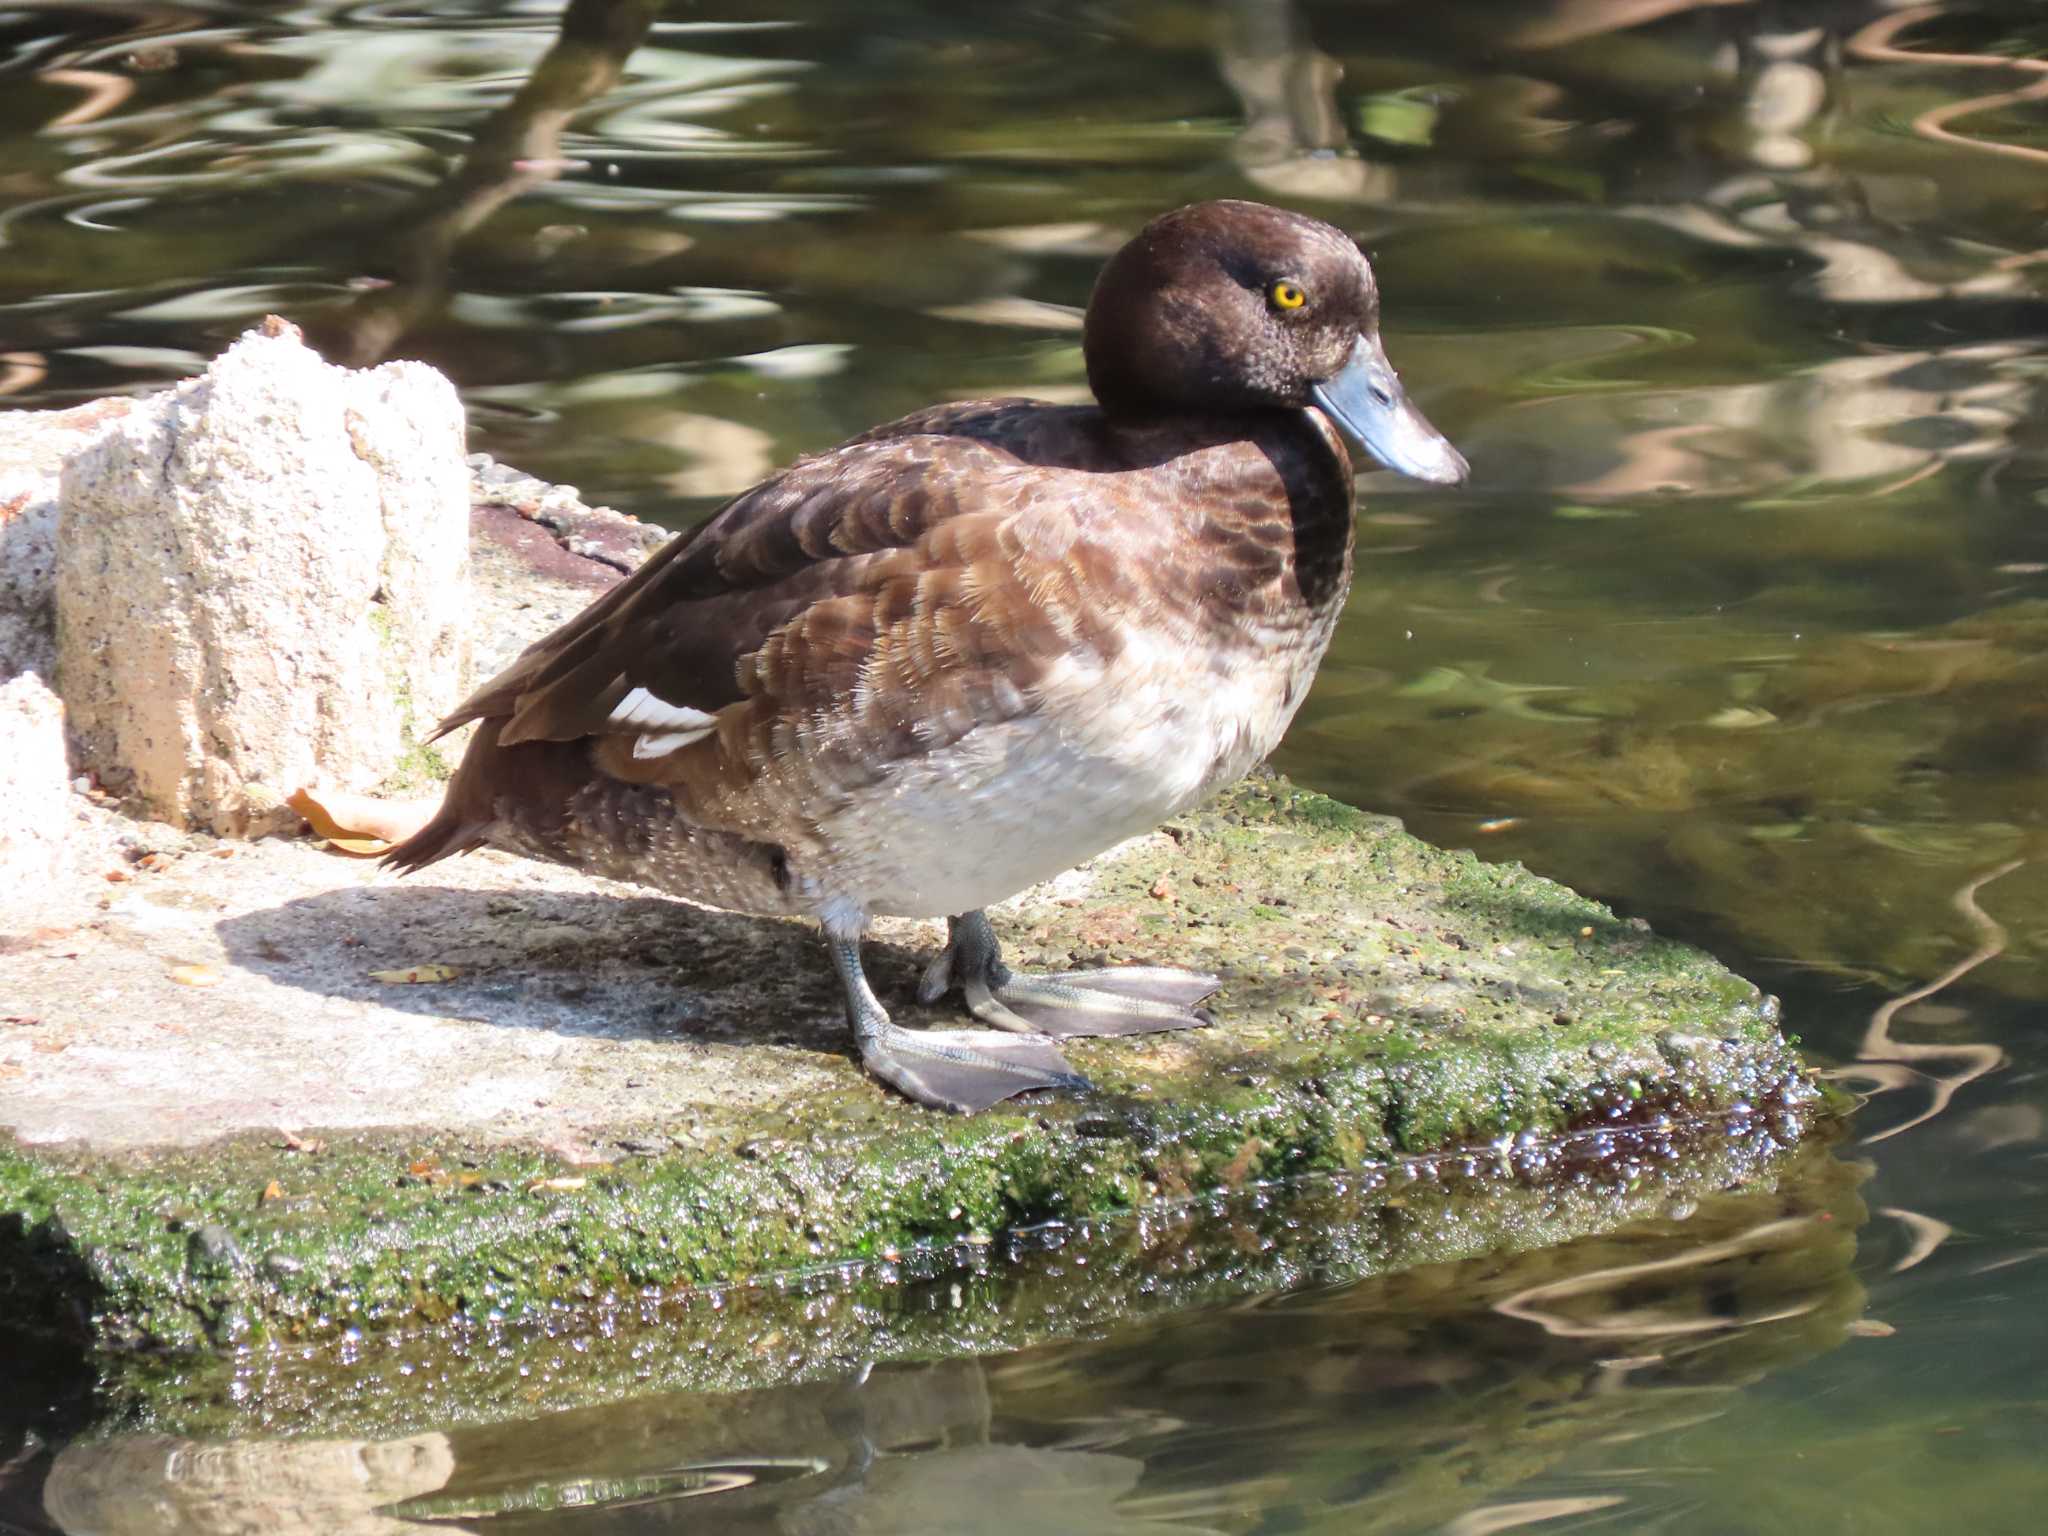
point(343, 818)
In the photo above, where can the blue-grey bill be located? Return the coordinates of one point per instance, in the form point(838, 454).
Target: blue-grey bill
point(1366, 401)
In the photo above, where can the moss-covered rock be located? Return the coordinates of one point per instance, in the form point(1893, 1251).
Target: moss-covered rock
point(1384, 1004)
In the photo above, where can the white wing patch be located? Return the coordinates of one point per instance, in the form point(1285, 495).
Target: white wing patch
point(642, 708)
point(674, 725)
point(669, 741)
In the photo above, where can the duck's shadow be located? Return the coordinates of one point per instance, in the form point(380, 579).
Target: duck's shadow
point(576, 962)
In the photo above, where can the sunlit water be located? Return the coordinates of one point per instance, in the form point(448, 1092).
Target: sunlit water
point(1741, 314)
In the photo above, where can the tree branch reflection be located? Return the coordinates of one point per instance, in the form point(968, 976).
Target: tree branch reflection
point(1973, 1059)
point(1875, 43)
point(516, 149)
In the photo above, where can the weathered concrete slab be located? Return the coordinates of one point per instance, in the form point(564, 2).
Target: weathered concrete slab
point(221, 988)
point(624, 1097)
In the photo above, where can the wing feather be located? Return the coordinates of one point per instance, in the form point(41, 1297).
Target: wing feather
point(814, 556)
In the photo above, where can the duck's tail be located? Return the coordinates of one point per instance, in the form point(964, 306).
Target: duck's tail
point(467, 810)
point(516, 797)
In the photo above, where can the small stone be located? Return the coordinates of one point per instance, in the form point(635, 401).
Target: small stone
point(215, 1244)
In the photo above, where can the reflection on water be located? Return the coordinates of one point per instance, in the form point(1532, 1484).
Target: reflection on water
point(1737, 308)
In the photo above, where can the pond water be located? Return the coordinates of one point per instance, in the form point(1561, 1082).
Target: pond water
point(1740, 312)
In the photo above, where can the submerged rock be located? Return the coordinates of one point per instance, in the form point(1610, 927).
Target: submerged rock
point(156, 1484)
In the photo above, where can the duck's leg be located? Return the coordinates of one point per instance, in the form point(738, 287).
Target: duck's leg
point(962, 1070)
point(1119, 1000)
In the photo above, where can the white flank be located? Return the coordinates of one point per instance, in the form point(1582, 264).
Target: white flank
point(642, 708)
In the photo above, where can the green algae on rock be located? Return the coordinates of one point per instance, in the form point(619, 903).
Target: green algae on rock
point(1383, 1000)
point(1738, 1208)
point(1423, 1383)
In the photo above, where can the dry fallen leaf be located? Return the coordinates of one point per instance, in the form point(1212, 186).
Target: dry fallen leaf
point(195, 975)
point(271, 1191)
point(427, 1172)
point(360, 824)
point(414, 975)
point(358, 847)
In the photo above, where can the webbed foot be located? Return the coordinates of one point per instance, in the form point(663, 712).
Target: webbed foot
point(965, 1070)
point(961, 1070)
point(1122, 1000)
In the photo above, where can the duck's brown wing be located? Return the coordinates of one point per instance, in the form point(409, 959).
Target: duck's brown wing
point(887, 571)
point(680, 627)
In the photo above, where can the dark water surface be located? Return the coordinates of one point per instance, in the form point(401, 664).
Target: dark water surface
point(1740, 312)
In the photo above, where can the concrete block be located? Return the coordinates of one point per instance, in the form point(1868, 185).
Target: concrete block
point(261, 581)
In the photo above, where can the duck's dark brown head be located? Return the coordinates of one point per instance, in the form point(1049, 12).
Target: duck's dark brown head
point(1235, 306)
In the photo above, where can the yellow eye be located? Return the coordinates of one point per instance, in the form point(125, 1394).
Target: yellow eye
point(1286, 295)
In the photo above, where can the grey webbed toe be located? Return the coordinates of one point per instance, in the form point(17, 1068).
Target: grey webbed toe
point(966, 1070)
point(1071, 1004)
point(1127, 1000)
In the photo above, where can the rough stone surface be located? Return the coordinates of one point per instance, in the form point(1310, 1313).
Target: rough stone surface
point(261, 582)
point(33, 446)
point(600, 545)
point(36, 809)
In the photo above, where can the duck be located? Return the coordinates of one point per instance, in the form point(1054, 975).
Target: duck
point(919, 672)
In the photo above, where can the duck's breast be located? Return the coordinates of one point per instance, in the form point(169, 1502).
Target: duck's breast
point(1191, 603)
